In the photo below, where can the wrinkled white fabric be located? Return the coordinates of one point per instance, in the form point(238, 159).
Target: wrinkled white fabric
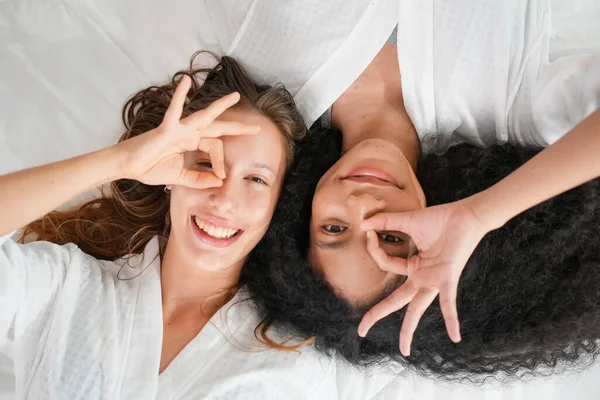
point(481, 72)
point(66, 67)
point(89, 329)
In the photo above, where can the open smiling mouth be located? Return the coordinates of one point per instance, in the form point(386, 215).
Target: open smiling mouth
point(213, 235)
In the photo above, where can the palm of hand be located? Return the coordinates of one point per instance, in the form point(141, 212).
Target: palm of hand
point(168, 169)
point(161, 156)
point(157, 157)
point(446, 236)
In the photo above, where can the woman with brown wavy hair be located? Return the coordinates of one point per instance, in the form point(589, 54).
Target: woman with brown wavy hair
point(195, 181)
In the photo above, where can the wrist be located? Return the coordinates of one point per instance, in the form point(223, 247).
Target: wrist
point(132, 156)
point(116, 162)
point(486, 211)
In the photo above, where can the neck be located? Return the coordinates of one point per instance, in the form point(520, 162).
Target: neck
point(373, 108)
point(186, 287)
point(386, 123)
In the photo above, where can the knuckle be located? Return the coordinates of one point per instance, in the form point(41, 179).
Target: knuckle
point(410, 311)
point(393, 299)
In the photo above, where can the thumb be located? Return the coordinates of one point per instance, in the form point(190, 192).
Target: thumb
point(400, 222)
point(382, 259)
point(200, 180)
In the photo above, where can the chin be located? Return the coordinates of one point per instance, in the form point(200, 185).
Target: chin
point(203, 259)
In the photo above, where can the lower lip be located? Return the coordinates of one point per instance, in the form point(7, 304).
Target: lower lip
point(212, 241)
point(363, 172)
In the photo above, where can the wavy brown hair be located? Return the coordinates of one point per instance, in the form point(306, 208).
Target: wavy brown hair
point(124, 219)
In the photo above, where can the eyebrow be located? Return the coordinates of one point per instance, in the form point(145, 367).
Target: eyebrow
point(264, 166)
point(331, 245)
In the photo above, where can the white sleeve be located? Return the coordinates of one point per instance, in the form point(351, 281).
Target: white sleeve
point(315, 48)
point(567, 91)
point(30, 277)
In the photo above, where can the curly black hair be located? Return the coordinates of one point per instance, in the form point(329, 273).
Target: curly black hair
point(528, 299)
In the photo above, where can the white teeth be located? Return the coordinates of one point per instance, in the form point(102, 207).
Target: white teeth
point(216, 232)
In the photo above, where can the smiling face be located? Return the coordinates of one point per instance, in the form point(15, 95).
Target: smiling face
point(372, 177)
point(217, 228)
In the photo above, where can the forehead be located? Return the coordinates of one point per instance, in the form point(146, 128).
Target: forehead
point(250, 117)
point(266, 146)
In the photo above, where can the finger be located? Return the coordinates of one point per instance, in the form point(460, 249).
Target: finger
point(199, 180)
point(178, 100)
point(394, 302)
point(413, 315)
point(209, 114)
point(229, 128)
point(449, 311)
point(382, 259)
point(388, 222)
point(214, 148)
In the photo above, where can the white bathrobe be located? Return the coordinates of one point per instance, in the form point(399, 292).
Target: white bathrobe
point(489, 72)
point(80, 332)
point(481, 71)
point(88, 329)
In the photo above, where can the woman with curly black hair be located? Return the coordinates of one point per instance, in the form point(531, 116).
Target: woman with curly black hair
point(528, 298)
point(365, 234)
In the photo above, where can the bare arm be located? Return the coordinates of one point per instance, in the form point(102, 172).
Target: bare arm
point(32, 193)
point(570, 162)
point(155, 158)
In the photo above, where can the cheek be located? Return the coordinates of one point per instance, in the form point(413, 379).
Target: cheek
point(177, 206)
point(328, 176)
point(256, 210)
point(327, 199)
point(318, 198)
point(182, 200)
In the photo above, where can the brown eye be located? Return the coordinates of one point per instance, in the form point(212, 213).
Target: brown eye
point(390, 238)
point(257, 180)
point(334, 229)
point(204, 164)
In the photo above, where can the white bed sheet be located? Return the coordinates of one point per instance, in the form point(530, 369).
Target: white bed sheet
point(66, 68)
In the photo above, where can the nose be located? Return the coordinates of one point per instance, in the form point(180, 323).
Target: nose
point(224, 200)
point(365, 205)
